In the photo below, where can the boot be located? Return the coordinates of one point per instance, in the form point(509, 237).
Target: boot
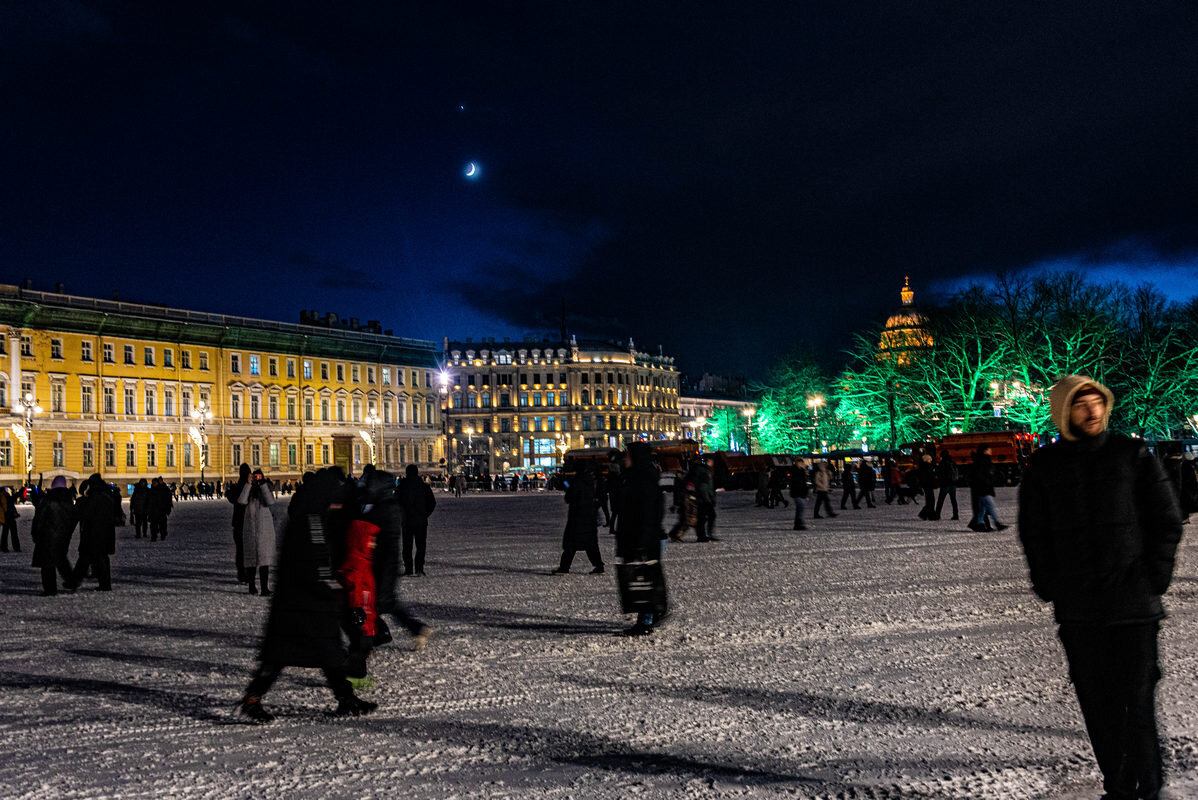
point(263, 572)
point(251, 708)
point(354, 706)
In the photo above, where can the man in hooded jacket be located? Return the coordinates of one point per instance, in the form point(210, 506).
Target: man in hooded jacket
point(1100, 525)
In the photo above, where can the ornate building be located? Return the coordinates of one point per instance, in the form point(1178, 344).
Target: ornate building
point(134, 391)
point(905, 333)
point(524, 404)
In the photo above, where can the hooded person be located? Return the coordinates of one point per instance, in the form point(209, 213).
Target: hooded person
point(97, 534)
point(639, 531)
point(303, 628)
point(380, 508)
point(1100, 525)
point(53, 525)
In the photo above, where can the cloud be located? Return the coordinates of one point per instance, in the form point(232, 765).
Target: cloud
point(337, 277)
point(1132, 261)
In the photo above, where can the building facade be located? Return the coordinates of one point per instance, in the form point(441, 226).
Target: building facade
point(134, 391)
point(695, 411)
point(524, 404)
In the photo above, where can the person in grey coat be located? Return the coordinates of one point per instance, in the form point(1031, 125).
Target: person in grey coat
point(258, 537)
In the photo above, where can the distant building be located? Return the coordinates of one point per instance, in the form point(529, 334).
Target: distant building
point(511, 405)
point(695, 411)
point(118, 383)
point(906, 331)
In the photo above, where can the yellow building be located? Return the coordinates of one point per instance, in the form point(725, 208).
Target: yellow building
point(126, 390)
point(512, 405)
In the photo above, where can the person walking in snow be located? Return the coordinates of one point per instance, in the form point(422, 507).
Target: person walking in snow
point(53, 525)
point(927, 483)
point(233, 495)
point(303, 628)
point(380, 508)
point(821, 480)
point(867, 482)
point(981, 490)
point(848, 492)
point(799, 491)
point(947, 476)
point(417, 502)
point(258, 538)
point(1100, 525)
point(582, 528)
point(160, 505)
point(639, 533)
point(8, 504)
point(97, 534)
point(139, 509)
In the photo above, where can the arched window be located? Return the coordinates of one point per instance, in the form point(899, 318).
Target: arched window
point(586, 397)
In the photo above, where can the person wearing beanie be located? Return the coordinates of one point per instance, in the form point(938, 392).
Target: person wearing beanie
point(1100, 524)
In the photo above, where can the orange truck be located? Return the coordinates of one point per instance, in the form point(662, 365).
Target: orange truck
point(1009, 452)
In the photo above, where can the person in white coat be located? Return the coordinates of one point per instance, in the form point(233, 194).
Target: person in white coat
point(258, 537)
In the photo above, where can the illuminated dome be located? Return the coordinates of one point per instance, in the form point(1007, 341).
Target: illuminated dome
point(906, 330)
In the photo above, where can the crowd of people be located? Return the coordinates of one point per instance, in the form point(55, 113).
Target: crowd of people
point(1100, 519)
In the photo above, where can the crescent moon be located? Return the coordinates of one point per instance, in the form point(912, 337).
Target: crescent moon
point(471, 170)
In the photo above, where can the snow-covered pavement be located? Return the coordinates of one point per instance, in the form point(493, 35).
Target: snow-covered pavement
point(874, 656)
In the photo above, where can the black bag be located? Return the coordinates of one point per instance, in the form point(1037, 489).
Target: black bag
point(642, 587)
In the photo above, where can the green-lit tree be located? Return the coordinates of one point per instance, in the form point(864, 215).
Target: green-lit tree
point(787, 418)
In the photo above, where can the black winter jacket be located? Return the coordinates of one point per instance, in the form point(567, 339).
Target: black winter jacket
point(1100, 525)
point(639, 530)
point(53, 525)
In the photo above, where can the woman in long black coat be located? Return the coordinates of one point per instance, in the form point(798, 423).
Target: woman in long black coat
point(639, 534)
point(582, 526)
point(53, 525)
point(304, 625)
point(96, 511)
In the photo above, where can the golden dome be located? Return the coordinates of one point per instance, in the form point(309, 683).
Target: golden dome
point(906, 329)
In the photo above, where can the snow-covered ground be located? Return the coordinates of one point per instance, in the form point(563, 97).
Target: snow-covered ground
point(874, 656)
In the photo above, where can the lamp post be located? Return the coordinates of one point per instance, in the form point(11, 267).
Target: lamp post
point(814, 403)
point(749, 412)
point(28, 409)
point(696, 425)
point(469, 459)
point(372, 418)
point(201, 413)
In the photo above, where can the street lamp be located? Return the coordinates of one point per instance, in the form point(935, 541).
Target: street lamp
point(372, 418)
point(469, 459)
point(201, 413)
point(749, 412)
point(814, 403)
point(29, 409)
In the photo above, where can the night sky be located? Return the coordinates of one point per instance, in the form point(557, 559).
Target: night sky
point(727, 180)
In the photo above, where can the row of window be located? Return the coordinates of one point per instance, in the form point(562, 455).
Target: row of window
point(329, 411)
point(288, 453)
point(253, 365)
point(613, 422)
point(613, 397)
point(149, 354)
point(58, 454)
point(152, 451)
point(613, 378)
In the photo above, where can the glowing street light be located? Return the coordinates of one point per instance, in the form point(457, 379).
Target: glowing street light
point(749, 412)
point(29, 409)
point(201, 413)
point(372, 419)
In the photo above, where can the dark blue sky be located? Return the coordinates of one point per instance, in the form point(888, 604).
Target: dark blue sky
point(725, 180)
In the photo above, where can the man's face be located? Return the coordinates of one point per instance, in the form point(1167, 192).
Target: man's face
point(1087, 414)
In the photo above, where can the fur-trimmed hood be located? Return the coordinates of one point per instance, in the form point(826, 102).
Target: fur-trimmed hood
point(1061, 400)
